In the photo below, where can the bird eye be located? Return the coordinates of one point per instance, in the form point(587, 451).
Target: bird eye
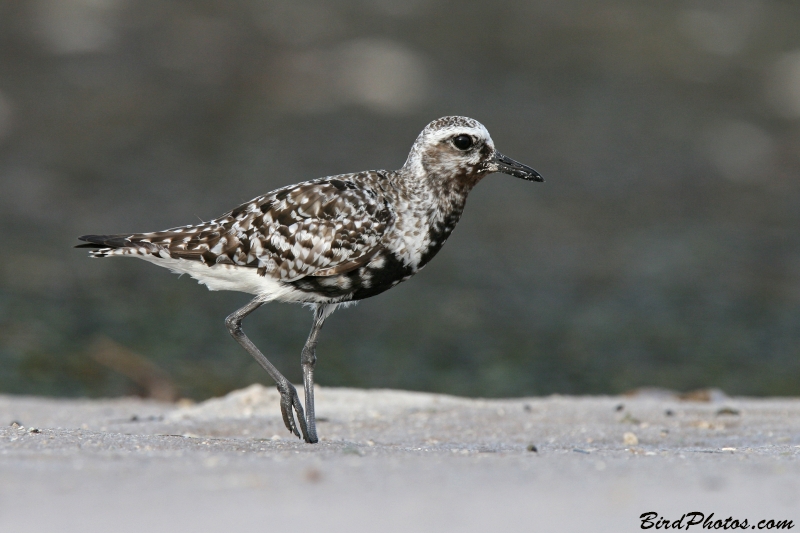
point(462, 142)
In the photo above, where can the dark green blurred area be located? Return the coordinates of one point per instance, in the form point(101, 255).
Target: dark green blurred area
point(663, 250)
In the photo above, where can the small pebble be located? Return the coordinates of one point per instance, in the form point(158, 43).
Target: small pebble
point(14, 424)
point(532, 448)
point(630, 439)
point(34, 430)
point(728, 411)
point(669, 412)
point(619, 407)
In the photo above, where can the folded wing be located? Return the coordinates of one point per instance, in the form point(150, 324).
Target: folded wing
point(318, 228)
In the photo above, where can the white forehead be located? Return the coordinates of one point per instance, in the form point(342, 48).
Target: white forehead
point(448, 127)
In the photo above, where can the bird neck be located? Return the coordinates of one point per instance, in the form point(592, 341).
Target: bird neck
point(438, 179)
point(442, 195)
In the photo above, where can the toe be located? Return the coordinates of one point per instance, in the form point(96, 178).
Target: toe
point(288, 419)
point(301, 418)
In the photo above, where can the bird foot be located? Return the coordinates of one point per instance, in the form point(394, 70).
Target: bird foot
point(289, 401)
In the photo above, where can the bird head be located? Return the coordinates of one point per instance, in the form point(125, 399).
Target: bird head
point(461, 148)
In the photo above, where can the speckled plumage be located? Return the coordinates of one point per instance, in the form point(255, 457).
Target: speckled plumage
point(336, 239)
point(329, 240)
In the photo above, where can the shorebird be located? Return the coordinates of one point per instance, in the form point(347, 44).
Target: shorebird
point(330, 241)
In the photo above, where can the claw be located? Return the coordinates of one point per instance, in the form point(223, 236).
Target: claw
point(290, 400)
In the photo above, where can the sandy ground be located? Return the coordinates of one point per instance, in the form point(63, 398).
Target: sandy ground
point(396, 461)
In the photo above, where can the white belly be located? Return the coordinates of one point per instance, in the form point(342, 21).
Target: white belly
point(235, 278)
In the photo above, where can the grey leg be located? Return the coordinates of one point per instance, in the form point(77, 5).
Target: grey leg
point(289, 398)
point(308, 358)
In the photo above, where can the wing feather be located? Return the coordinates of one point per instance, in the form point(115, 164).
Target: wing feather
point(319, 228)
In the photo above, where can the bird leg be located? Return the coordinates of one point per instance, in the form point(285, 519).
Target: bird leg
point(289, 397)
point(308, 358)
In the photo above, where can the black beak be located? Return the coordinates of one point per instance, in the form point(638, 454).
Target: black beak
point(506, 165)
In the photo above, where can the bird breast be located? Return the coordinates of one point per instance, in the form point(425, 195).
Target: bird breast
point(422, 226)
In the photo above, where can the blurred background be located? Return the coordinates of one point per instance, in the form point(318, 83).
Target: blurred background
point(663, 250)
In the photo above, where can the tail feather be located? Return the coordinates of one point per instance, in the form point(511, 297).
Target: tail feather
point(105, 241)
point(189, 242)
point(107, 245)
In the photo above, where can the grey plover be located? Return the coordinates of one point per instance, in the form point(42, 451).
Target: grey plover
point(330, 241)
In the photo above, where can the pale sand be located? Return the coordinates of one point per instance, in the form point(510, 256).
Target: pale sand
point(394, 461)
